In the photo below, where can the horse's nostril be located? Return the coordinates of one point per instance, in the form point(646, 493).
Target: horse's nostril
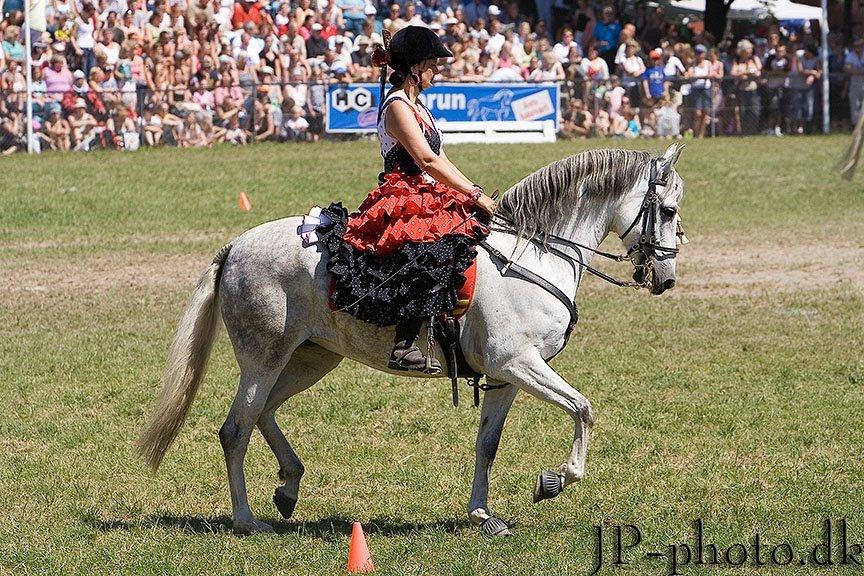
point(669, 284)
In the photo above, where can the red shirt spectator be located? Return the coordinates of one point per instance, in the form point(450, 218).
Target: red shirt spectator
point(246, 11)
point(330, 30)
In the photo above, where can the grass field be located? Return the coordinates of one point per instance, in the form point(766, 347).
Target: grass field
point(736, 399)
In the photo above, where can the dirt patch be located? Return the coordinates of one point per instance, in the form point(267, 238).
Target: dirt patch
point(720, 268)
point(713, 266)
point(101, 273)
point(707, 267)
point(134, 240)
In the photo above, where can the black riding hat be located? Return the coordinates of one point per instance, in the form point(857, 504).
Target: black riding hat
point(414, 44)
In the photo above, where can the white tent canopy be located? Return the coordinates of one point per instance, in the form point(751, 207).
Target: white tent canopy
point(758, 9)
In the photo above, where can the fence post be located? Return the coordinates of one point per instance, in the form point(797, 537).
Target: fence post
point(714, 112)
point(28, 63)
point(252, 126)
point(826, 95)
point(139, 104)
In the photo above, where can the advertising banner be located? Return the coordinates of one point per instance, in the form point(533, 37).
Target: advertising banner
point(354, 107)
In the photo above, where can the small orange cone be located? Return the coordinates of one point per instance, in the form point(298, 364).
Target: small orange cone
point(245, 205)
point(359, 559)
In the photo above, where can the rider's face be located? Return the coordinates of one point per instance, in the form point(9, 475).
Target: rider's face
point(429, 70)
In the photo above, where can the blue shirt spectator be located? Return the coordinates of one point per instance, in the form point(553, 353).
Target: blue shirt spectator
point(352, 11)
point(476, 9)
point(354, 7)
point(655, 80)
point(607, 31)
point(430, 10)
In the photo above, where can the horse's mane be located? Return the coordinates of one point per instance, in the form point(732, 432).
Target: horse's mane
point(542, 201)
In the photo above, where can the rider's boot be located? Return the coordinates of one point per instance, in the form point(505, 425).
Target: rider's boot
point(406, 355)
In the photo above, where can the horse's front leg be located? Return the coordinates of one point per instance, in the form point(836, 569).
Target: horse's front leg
point(496, 405)
point(531, 373)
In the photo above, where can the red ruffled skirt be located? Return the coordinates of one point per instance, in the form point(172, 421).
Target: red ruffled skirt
point(410, 209)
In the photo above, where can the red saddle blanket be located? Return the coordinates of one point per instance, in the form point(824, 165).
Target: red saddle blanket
point(465, 294)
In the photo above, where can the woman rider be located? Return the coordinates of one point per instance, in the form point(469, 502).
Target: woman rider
point(402, 256)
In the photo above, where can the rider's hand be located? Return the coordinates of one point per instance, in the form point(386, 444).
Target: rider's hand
point(487, 204)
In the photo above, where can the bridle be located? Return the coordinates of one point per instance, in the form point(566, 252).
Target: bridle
point(647, 245)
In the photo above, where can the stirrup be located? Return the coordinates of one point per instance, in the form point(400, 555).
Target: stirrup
point(422, 364)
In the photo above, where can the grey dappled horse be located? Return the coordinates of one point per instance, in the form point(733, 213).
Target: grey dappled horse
point(272, 294)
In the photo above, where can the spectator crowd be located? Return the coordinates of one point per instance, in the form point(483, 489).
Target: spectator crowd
point(191, 73)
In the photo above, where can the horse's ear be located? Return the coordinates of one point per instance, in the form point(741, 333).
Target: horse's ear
point(670, 157)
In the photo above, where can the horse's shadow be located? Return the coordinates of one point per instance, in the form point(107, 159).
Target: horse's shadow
point(323, 528)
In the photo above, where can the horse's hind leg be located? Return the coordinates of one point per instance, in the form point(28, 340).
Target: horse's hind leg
point(496, 405)
point(255, 385)
point(308, 365)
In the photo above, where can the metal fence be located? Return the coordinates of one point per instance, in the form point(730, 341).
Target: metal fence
point(135, 116)
point(701, 107)
point(132, 116)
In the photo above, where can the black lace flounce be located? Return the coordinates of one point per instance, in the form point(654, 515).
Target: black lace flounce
point(416, 281)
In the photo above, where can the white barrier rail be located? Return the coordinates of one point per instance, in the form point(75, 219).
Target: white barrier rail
point(498, 132)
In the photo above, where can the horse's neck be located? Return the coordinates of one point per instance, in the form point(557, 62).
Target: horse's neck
point(588, 228)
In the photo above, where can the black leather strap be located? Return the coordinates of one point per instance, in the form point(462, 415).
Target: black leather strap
point(521, 272)
point(574, 262)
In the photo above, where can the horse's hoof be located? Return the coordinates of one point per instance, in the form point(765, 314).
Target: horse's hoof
point(548, 485)
point(284, 503)
point(253, 527)
point(494, 527)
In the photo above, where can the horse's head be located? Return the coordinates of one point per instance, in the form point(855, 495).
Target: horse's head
point(648, 223)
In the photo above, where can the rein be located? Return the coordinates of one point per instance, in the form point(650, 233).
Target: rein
point(579, 260)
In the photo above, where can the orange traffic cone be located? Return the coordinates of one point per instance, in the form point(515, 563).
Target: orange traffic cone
point(245, 205)
point(359, 559)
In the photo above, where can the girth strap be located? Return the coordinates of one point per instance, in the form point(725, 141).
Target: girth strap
point(526, 274)
point(447, 332)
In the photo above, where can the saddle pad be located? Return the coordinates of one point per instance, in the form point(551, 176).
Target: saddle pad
point(465, 294)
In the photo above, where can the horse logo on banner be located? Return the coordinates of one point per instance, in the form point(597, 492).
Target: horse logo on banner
point(495, 107)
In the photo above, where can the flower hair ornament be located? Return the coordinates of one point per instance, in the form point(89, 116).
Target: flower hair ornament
point(381, 54)
point(381, 59)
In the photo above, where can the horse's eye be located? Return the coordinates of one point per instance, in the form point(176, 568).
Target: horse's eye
point(668, 212)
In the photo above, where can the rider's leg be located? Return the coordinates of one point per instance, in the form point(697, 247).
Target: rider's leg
point(406, 355)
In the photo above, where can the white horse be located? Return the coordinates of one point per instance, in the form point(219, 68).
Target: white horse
point(273, 293)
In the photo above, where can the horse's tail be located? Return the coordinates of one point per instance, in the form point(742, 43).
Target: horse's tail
point(187, 363)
